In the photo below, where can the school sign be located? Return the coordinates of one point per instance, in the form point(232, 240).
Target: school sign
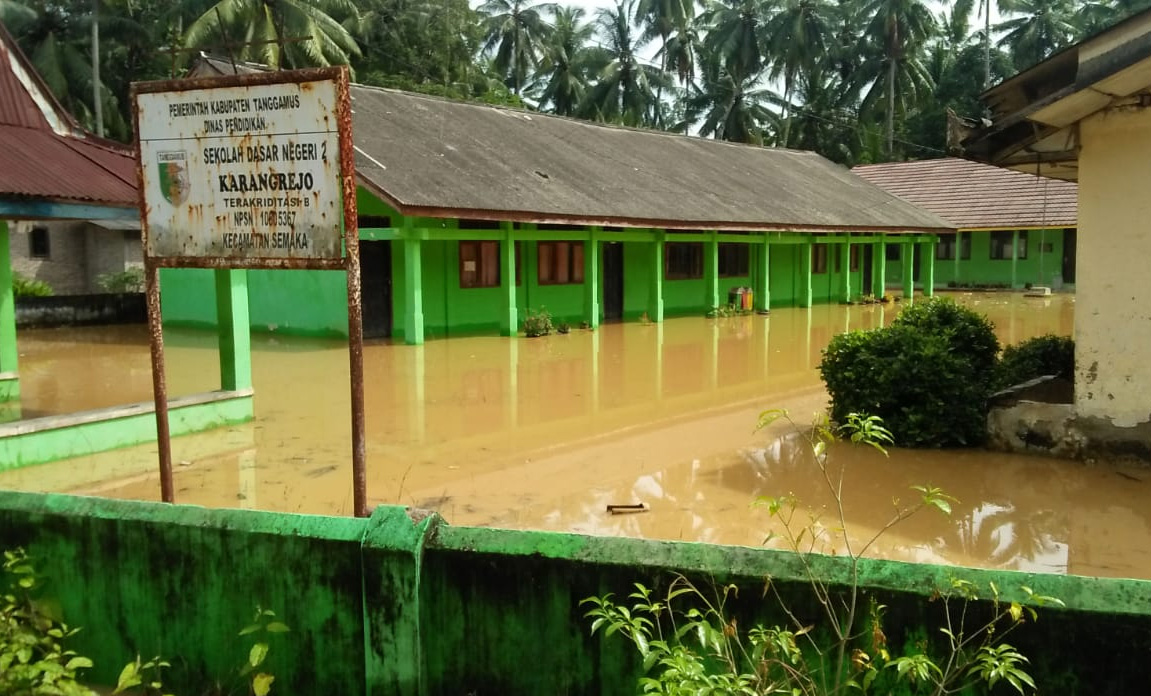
point(247, 170)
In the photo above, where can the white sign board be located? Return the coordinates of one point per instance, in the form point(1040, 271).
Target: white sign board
point(242, 172)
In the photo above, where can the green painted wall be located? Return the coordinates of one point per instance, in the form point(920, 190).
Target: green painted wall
point(314, 302)
point(409, 605)
point(310, 303)
point(1039, 268)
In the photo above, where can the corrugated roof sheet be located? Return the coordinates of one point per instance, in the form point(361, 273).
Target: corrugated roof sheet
point(37, 161)
point(972, 195)
point(430, 156)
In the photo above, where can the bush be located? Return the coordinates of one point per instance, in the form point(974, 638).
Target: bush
point(928, 375)
point(538, 324)
point(1037, 357)
point(130, 280)
point(26, 287)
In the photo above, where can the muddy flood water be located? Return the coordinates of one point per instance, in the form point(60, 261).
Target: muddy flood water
point(544, 433)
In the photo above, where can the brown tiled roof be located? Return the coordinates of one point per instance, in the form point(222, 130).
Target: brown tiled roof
point(438, 158)
point(970, 195)
point(44, 154)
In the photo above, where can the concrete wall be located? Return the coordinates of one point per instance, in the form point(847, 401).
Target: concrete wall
point(1113, 306)
point(65, 266)
point(78, 254)
point(402, 603)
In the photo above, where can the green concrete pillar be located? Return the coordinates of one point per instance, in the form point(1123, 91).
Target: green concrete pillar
point(232, 327)
point(1014, 255)
point(805, 274)
point(907, 260)
point(509, 314)
point(414, 289)
point(879, 268)
point(928, 272)
point(9, 386)
point(845, 278)
point(958, 253)
point(762, 288)
point(655, 293)
point(711, 272)
point(591, 266)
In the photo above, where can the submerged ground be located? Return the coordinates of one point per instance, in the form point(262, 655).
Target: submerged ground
point(544, 433)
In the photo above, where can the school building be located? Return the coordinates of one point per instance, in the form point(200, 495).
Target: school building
point(472, 215)
point(1013, 229)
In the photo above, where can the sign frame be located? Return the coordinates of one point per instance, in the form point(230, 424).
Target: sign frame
point(349, 263)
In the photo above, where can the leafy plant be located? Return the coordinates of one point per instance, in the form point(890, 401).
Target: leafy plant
point(690, 641)
point(1036, 357)
point(129, 280)
point(33, 656)
point(538, 323)
point(928, 375)
point(35, 662)
point(564, 328)
point(27, 287)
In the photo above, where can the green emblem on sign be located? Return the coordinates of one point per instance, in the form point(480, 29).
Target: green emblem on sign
point(174, 182)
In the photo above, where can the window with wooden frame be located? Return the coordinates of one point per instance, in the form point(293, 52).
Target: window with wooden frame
point(480, 264)
point(559, 263)
point(734, 260)
point(819, 258)
point(893, 252)
point(1001, 245)
point(683, 260)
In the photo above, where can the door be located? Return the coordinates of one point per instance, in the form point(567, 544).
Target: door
point(612, 280)
point(376, 288)
point(1069, 255)
point(868, 251)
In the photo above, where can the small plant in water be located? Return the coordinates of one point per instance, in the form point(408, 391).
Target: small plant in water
point(538, 323)
point(691, 643)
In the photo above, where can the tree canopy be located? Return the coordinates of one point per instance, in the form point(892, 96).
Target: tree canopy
point(855, 80)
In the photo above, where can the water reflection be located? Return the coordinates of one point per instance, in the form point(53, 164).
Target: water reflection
point(544, 433)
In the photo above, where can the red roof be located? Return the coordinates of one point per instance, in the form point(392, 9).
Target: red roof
point(971, 195)
point(44, 154)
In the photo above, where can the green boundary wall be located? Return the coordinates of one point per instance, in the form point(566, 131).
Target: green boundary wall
point(47, 439)
point(402, 603)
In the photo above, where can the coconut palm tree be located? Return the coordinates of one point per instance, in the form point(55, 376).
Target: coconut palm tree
point(736, 33)
point(627, 88)
point(566, 63)
point(893, 66)
point(796, 37)
point(730, 107)
point(57, 41)
point(513, 33)
point(280, 33)
point(1036, 29)
point(681, 50)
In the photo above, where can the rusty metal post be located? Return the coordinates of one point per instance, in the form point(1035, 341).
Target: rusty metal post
point(355, 308)
point(159, 385)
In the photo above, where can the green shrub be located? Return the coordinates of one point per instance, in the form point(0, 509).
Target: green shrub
point(538, 324)
point(27, 287)
point(130, 280)
point(1037, 357)
point(928, 375)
